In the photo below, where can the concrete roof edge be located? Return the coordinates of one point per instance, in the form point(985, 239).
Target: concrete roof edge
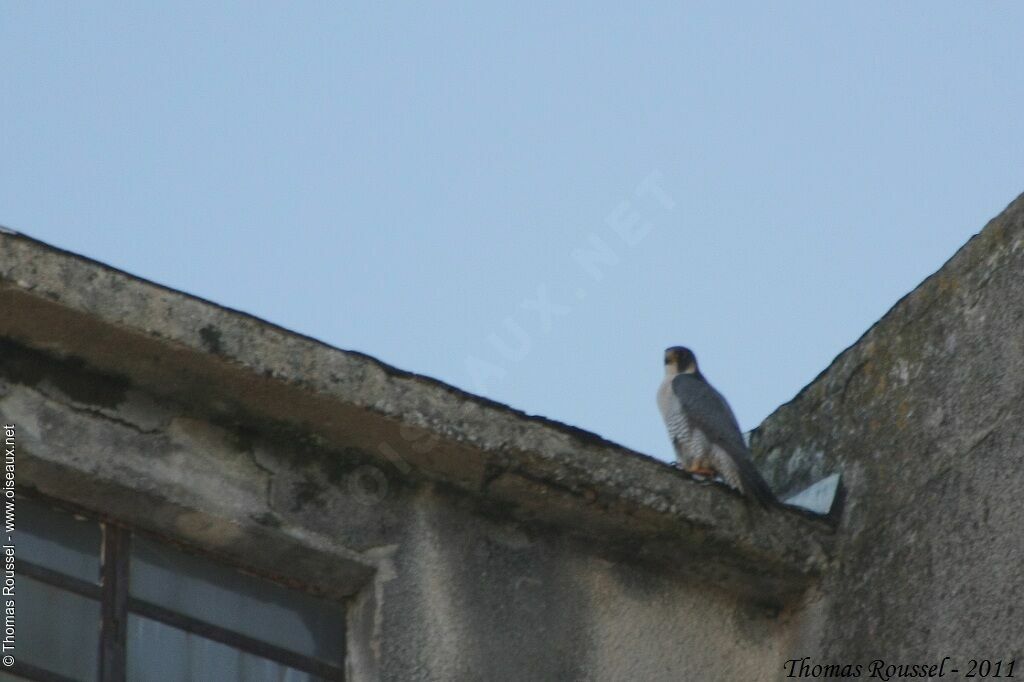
point(7, 233)
point(512, 454)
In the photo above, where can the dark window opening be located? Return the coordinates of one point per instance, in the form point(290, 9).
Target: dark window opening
point(98, 602)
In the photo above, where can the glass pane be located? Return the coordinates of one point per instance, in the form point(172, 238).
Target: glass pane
point(57, 630)
point(161, 653)
point(251, 606)
point(57, 540)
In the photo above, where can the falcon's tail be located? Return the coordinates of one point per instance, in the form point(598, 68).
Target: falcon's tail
point(754, 485)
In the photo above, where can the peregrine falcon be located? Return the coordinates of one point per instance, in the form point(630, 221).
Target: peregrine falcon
point(703, 429)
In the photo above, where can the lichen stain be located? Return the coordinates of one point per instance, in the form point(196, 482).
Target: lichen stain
point(211, 338)
point(881, 385)
point(903, 413)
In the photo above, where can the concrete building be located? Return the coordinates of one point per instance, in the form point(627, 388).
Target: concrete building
point(205, 496)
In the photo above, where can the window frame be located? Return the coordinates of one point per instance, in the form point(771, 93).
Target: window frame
point(116, 603)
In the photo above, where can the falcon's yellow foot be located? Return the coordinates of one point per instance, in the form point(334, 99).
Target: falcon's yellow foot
point(702, 471)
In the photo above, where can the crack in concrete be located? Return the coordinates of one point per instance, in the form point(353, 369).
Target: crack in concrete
point(849, 379)
point(99, 412)
point(271, 475)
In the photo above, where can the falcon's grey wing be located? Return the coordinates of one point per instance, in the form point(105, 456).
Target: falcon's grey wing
point(708, 411)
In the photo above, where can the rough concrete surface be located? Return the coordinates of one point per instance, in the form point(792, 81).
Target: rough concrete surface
point(351, 409)
point(443, 587)
point(924, 417)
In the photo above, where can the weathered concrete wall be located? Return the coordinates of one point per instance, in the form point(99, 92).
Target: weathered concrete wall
point(346, 409)
point(479, 599)
point(473, 542)
point(443, 586)
point(924, 417)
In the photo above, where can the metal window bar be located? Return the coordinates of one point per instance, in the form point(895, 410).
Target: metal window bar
point(59, 580)
point(116, 604)
point(236, 640)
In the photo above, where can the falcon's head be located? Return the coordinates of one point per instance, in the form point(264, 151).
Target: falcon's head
point(680, 360)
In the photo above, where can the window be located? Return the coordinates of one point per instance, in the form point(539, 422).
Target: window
point(98, 602)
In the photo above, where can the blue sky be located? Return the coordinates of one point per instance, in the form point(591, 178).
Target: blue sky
point(527, 202)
